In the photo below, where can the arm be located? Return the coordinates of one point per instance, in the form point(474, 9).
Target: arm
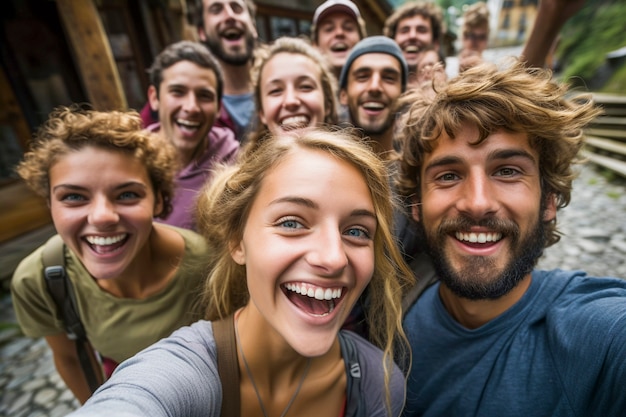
point(68, 365)
point(551, 16)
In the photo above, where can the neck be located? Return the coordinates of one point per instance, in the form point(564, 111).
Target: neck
point(383, 144)
point(473, 314)
point(236, 78)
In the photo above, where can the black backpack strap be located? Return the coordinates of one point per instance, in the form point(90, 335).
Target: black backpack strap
point(425, 276)
point(227, 365)
point(62, 292)
point(355, 403)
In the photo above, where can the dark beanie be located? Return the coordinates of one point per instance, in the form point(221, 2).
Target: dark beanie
point(374, 44)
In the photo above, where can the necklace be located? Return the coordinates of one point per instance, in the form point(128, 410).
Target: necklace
point(256, 390)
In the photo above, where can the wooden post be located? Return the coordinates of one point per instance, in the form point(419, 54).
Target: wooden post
point(92, 53)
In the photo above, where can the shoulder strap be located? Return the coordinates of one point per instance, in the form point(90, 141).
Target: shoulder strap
point(60, 288)
point(227, 365)
point(425, 276)
point(355, 406)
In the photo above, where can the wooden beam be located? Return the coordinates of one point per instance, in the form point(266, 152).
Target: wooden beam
point(92, 53)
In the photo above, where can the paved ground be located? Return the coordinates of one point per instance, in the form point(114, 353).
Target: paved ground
point(594, 227)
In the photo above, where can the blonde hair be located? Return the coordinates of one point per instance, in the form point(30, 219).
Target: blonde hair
point(69, 129)
point(476, 16)
point(223, 209)
point(515, 99)
point(298, 46)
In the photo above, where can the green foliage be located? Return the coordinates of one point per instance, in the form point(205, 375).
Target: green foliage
point(593, 32)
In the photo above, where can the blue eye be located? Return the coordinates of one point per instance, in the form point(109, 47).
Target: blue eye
point(290, 224)
point(128, 195)
point(72, 197)
point(358, 233)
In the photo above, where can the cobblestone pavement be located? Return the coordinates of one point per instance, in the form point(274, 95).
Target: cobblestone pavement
point(594, 228)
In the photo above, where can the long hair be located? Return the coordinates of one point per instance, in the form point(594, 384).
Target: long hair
point(224, 206)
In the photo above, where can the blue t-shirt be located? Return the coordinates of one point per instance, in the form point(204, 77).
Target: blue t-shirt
point(240, 108)
point(559, 351)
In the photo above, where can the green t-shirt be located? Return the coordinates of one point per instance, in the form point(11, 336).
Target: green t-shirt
point(116, 327)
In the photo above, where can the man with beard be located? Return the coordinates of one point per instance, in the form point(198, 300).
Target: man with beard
point(372, 80)
point(488, 163)
point(227, 28)
point(415, 26)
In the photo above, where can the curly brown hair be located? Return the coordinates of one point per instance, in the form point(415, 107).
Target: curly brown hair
point(516, 99)
point(69, 129)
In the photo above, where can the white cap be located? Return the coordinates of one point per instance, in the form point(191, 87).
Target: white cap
point(329, 6)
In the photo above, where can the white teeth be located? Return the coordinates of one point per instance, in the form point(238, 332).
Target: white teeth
point(104, 241)
point(187, 123)
point(293, 120)
point(373, 105)
point(411, 48)
point(478, 237)
point(314, 292)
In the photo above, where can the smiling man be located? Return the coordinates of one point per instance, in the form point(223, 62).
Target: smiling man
point(185, 91)
point(371, 82)
point(415, 26)
point(488, 163)
point(227, 28)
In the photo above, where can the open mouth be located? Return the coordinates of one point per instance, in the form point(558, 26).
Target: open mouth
point(232, 34)
point(313, 300)
point(294, 122)
point(478, 238)
point(373, 105)
point(339, 47)
point(103, 245)
point(411, 49)
point(187, 125)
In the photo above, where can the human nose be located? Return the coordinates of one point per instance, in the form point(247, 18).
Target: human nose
point(291, 98)
point(190, 103)
point(328, 253)
point(478, 197)
point(103, 212)
point(375, 84)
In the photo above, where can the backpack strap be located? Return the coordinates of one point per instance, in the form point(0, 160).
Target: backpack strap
point(425, 276)
point(355, 402)
point(62, 292)
point(227, 365)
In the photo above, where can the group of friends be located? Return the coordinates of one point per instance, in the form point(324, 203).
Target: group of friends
point(299, 191)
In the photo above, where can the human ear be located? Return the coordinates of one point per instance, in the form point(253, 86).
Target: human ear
point(153, 98)
point(159, 205)
point(415, 213)
point(549, 213)
point(262, 117)
point(343, 97)
point(238, 253)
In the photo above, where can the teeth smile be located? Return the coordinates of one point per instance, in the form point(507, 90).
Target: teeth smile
point(105, 241)
point(187, 123)
point(294, 122)
point(478, 237)
point(314, 292)
point(372, 105)
point(411, 48)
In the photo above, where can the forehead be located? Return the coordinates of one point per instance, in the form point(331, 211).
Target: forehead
point(209, 3)
point(286, 64)
point(414, 21)
point(187, 72)
point(376, 61)
point(337, 17)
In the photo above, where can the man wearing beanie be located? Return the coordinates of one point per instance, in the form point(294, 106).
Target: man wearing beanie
point(372, 80)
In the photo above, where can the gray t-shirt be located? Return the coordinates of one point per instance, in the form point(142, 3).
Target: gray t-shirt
point(178, 377)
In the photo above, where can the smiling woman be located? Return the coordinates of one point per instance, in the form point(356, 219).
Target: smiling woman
point(287, 267)
point(134, 281)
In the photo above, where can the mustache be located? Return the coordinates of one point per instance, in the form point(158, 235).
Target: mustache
point(465, 223)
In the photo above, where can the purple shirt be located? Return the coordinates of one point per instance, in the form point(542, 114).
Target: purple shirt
point(222, 147)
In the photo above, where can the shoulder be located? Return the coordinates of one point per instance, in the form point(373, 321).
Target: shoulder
point(29, 270)
point(223, 144)
point(195, 244)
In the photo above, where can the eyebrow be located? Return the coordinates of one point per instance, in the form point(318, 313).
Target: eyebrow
point(494, 155)
point(311, 204)
point(119, 187)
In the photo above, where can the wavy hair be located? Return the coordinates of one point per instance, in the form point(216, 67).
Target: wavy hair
point(515, 99)
point(224, 206)
point(70, 129)
point(426, 9)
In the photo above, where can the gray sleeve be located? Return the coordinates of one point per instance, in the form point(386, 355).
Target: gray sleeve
point(177, 376)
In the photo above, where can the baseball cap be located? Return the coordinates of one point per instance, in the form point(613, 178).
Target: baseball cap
point(330, 6)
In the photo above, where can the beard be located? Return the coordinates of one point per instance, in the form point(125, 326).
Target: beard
point(370, 129)
point(479, 277)
point(233, 58)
